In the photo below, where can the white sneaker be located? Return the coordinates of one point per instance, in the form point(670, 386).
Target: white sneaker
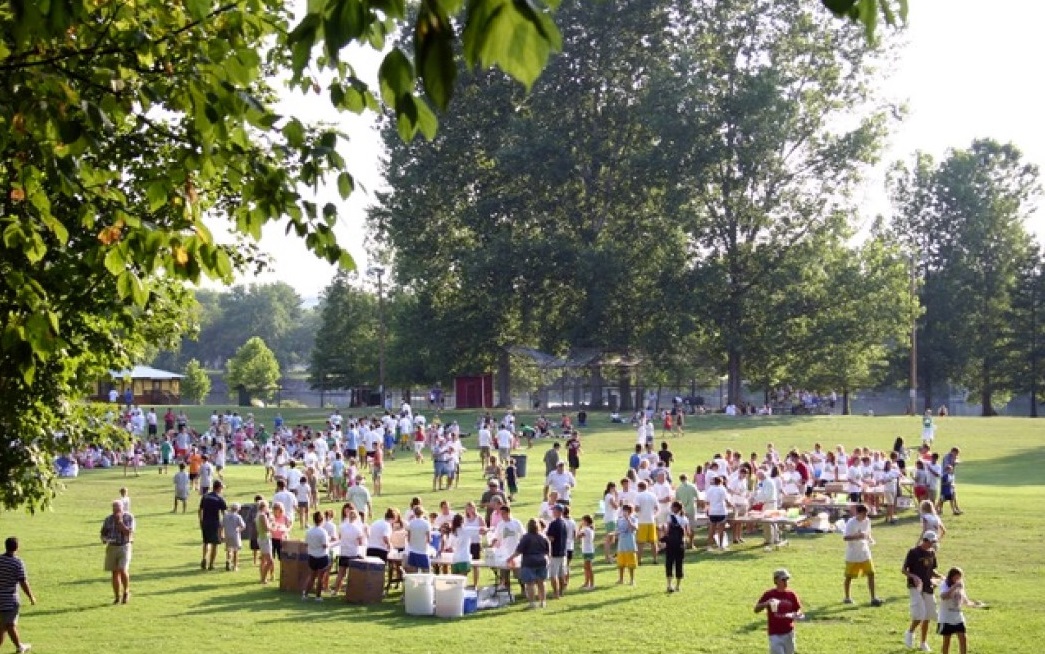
point(925, 647)
point(24, 647)
point(908, 639)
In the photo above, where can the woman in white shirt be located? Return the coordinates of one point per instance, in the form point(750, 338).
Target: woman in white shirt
point(741, 499)
point(352, 538)
point(610, 506)
point(717, 499)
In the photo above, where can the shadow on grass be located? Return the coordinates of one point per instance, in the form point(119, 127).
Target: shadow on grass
point(1023, 468)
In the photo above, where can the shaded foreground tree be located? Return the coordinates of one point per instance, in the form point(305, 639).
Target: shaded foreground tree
point(125, 124)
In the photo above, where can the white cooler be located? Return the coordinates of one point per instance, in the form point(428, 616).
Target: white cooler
point(449, 595)
point(419, 594)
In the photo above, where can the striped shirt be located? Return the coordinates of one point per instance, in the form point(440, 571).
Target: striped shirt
point(113, 536)
point(12, 571)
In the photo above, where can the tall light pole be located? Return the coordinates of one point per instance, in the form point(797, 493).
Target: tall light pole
point(914, 342)
point(379, 272)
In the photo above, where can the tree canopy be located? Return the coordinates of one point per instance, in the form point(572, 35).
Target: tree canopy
point(127, 127)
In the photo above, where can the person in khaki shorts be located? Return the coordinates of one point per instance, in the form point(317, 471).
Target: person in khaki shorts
point(858, 541)
point(920, 569)
point(118, 534)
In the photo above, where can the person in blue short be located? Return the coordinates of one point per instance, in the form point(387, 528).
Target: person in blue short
point(418, 536)
point(534, 549)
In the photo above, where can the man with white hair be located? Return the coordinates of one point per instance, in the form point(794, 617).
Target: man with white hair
point(118, 535)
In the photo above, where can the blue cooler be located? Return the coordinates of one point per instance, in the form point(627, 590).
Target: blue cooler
point(471, 602)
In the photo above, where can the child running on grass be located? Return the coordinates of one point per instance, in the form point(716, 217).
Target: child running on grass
point(587, 535)
point(627, 546)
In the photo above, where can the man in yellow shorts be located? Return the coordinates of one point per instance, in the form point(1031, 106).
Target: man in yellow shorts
point(646, 505)
point(858, 541)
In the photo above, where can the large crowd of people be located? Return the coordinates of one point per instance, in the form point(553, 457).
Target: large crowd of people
point(651, 511)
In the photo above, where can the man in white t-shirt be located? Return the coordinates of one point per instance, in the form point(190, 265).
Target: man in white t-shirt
point(858, 541)
point(507, 533)
point(359, 495)
point(285, 498)
point(418, 535)
point(293, 477)
point(485, 442)
point(561, 481)
point(628, 494)
point(646, 510)
point(445, 515)
point(662, 489)
point(504, 444)
point(406, 432)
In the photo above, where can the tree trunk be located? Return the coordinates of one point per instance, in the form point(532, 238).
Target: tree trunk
point(576, 391)
point(845, 400)
point(624, 388)
point(596, 388)
point(928, 387)
point(733, 370)
point(986, 392)
point(504, 379)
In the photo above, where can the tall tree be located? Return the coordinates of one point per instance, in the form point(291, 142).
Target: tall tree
point(967, 215)
point(771, 139)
point(864, 310)
point(345, 354)
point(553, 246)
point(195, 385)
point(1025, 328)
point(254, 368)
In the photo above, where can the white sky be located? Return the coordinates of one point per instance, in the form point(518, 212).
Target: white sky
point(966, 73)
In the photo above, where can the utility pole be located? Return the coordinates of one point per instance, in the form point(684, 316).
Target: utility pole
point(913, 408)
point(379, 272)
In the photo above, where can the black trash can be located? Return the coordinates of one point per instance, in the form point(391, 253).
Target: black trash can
point(520, 465)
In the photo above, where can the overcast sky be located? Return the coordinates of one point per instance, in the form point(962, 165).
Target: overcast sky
point(966, 73)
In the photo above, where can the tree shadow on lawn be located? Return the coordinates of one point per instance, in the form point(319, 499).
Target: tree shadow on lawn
point(1022, 468)
point(697, 425)
point(174, 572)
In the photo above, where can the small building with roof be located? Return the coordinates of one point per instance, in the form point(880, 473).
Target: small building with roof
point(140, 385)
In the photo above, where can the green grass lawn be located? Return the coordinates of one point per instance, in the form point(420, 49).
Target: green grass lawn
point(177, 608)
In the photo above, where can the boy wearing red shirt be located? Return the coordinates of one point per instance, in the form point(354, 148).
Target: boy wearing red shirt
point(783, 608)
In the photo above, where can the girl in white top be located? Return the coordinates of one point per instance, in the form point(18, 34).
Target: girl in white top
point(610, 506)
point(951, 620)
point(587, 535)
point(930, 521)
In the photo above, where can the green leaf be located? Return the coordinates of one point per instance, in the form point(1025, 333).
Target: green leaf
point(198, 9)
point(433, 43)
point(115, 262)
point(512, 35)
point(294, 131)
point(397, 77)
point(840, 8)
point(156, 194)
point(343, 25)
point(345, 185)
point(301, 39)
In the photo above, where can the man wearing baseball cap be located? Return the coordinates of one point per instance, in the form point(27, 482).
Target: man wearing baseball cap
point(920, 569)
point(782, 607)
